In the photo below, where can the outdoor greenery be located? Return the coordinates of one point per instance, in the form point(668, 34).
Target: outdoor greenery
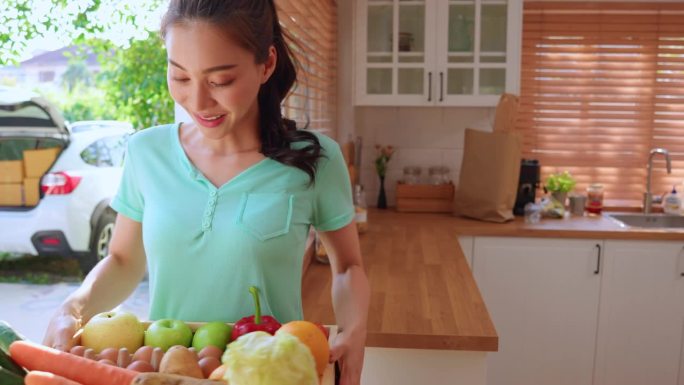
point(132, 84)
point(39, 270)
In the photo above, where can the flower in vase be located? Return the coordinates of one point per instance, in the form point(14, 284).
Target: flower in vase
point(384, 155)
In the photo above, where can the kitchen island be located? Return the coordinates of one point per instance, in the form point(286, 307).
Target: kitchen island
point(585, 288)
point(427, 319)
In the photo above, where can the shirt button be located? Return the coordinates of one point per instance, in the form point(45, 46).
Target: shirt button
point(213, 194)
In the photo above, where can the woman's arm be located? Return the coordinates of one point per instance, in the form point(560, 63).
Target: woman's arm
point(351, 297)
point(110, 282)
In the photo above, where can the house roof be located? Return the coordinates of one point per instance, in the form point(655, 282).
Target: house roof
point(57, 57)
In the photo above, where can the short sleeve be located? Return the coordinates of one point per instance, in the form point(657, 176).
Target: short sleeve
point(334, 207)
point(128, 200)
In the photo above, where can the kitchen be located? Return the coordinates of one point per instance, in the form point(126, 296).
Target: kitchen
point(525, 299)
point(579, 300)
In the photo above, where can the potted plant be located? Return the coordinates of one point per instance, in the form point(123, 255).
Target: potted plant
point(559, 185)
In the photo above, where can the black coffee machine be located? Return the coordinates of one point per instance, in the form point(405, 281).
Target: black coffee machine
point(527, 185)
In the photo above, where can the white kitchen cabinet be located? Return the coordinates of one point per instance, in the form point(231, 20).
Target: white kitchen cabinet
point(543, 297)
point(641, 320)
point(467, 243)
point(436, 52)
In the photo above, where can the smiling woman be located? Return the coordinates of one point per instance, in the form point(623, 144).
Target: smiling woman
point(226, 202)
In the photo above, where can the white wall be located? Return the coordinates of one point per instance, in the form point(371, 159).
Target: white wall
point(423, 136)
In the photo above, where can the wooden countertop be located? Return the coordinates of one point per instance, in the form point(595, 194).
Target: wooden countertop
point(588, 227)
point(423, 294)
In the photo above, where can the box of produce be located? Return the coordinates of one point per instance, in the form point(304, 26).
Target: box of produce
point(116, 348)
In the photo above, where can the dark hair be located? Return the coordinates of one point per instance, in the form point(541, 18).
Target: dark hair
point(255, 26)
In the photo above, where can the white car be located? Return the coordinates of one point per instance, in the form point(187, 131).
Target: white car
point(72, 217)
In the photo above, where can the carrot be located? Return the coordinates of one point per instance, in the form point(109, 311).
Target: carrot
point(34, 356)
point(36, 377)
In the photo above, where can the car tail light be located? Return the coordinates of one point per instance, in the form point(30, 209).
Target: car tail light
point(59, 183)
point(51, 241)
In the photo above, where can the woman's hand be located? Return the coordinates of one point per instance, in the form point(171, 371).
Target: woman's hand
point(348, 350)
point(61, 331)
point(351, 299)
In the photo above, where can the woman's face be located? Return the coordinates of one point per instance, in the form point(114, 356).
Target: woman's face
point(213, 78)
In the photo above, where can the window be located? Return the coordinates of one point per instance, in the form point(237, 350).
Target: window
point(602, 84)
point(46, 76)
point(106, 152)
point(313, 26)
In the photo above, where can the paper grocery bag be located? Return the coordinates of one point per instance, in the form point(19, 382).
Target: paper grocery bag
point(489, 175)
point(506, 113)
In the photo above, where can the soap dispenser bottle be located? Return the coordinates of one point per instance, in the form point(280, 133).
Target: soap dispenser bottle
point(672, 202)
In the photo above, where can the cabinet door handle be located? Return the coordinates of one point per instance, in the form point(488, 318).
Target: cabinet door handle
point(681, 265)
point(441, 86)
point(429, 86)
point(598, 259)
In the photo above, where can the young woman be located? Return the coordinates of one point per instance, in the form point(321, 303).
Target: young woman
point(225, 202)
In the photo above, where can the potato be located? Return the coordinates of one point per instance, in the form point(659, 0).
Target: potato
point(180, 360)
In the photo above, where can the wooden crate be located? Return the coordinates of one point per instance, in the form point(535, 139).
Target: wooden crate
point(425, 198)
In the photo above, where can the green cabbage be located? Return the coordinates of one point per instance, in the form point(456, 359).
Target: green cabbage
point(259, 358)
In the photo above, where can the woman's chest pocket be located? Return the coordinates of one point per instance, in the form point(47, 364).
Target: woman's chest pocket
point(266, 215)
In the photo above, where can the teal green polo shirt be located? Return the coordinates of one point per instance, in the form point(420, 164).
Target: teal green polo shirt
point(206, 246)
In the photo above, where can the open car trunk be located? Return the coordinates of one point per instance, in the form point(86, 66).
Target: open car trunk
point(32, 135)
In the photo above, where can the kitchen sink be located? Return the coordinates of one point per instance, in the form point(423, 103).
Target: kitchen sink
point(654, 221)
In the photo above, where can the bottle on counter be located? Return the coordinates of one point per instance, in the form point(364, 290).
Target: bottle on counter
point(672, 203)
point(361, 208)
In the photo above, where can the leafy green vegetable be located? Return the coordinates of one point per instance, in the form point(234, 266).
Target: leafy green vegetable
point(258, 358)
point(560, 182)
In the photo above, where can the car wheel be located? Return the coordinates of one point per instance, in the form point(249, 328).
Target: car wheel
point(99, 246)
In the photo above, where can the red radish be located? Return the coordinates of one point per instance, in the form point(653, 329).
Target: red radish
point(90, 354)
point(143, 354)
point(78, 350)
point(208, 365)
point(210, 351)
point(157, 355)
point(109, 354)
point(140, 366)
point(34, 356)
point(124, 358)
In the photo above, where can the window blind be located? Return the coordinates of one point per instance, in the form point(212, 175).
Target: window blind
point(313, 26)
point(602, 84)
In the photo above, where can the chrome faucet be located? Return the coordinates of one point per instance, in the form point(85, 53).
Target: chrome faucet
point(649, 199)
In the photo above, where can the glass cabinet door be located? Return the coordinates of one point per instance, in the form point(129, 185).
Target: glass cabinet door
point(397, 57)
point(473, 55)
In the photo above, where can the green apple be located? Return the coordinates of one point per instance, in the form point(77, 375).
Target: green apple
point(212, 333)
point(113, 329)
point(165, 333)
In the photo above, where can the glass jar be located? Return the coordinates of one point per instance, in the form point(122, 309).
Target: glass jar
point(439, 174)
point(412, 175)
point(595, 199)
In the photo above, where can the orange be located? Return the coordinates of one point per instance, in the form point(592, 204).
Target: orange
point(310, 335)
